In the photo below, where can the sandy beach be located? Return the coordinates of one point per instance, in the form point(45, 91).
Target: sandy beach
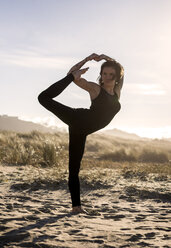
point(123, 211)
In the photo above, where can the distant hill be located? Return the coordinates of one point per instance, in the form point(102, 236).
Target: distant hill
point(12, 123)
point(121, 134)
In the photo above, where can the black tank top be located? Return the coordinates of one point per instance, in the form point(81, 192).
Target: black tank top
point(102, 110)
point(104, 100)
point(105, 106)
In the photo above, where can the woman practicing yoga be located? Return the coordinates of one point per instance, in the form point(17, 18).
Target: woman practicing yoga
point(83, 121)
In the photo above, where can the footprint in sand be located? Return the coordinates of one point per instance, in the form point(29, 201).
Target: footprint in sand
point(143, 228)
point(166, 237)
point(14, 237)
point(143, 244)
point(140, 217)
point(50, 206)
point(150, 235)
point(163, 218)
point(113, 211)
point(34, 211)
point(114, 217)
point(152, 210)
point(35, 200)
point(3, 228)
point(67, 224)
point(89, 213)
point(89, 240)
point(9, 206)
point(71, 232)
point(6, 220)
point(44, 210)
point(166, 229)
point(31, 217)
point(131, 210)
point(118, 217)
point(135, 237)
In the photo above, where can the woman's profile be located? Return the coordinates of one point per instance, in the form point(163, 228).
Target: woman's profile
point(84, 121)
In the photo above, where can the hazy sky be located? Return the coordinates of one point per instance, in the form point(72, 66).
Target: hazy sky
point(42, 39)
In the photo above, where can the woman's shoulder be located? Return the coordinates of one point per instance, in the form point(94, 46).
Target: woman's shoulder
point(95, 90)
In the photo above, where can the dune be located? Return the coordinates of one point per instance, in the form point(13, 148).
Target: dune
point(123, 210)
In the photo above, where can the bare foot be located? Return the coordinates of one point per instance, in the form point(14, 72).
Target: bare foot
point(78, 209)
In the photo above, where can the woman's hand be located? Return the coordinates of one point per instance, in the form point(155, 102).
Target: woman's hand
point(77, 74)
point(103, 56)
point(92, 56)
point(81, 63)
point(97, 57)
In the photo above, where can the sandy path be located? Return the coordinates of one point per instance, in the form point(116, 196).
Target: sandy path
point(121, 216)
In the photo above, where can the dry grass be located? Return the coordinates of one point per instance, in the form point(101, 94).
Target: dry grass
point(34, 148)
point(44, 157)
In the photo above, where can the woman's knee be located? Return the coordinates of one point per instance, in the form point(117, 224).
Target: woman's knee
point(74, 170)
point(73, 180)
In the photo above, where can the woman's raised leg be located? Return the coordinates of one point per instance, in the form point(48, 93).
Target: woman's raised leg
point(63, 112)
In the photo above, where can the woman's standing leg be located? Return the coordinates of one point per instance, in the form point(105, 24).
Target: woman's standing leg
point(76, 149)
point(76, 139)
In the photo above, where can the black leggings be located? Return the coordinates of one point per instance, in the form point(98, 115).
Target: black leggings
point(77, 138)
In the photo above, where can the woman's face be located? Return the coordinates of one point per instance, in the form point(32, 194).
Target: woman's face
point(108, 75)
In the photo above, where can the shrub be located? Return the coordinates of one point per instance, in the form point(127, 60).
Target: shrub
point(49, 154)
point(118, 156)
point(153, 156)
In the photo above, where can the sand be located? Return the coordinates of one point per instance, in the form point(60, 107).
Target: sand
point(126, 212)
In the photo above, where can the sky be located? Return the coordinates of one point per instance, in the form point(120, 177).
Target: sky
point(42, 39)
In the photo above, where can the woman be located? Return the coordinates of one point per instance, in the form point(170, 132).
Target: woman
point(83, 121)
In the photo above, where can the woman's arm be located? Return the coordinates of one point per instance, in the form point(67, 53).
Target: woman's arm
point(77, 66)
point(81, 82)
point(77, 72)
point(120, 83)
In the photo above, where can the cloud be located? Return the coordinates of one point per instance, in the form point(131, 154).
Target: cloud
point(155, 132)
point(33, 59)
point(146, 89)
